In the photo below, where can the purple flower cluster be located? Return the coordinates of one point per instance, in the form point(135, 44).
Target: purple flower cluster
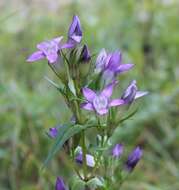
point(133, 158)
point(107, 67)
point(100, 102)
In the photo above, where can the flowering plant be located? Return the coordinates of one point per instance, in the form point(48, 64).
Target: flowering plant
point(87, 89)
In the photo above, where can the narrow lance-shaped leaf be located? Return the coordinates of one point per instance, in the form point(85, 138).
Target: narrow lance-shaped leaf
point(65, 133)
point(129, 116)
point(55, 85)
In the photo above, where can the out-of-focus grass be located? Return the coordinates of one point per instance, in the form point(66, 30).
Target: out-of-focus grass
point(146, 31)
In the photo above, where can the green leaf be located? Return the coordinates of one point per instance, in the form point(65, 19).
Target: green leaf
point(71, 86)
point(95, 182)
point(66, 132)
point(78, 184)
point(55, 85)
point(128, 116)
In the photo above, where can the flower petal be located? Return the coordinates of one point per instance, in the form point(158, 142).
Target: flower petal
point(57, 39)
point(52, 58)
point(87, 106)
point(89, 94)
point(76, 38)
point(102, 111)
point(107, 91)
point(116, 102)
point(70, 44)
point(115, 61)
point(43, 45)
point(89, 159)
point(75, 32)
point(117, 150)
point(140, 94)
point(36, 56)
point(85, 54)
point(101, 60)
point(124, 67)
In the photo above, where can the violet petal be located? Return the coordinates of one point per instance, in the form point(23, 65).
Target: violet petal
point(116, 102)
point(117, 150)
point(36, 56)
point(88, 94)
point(140, 94)
point(108, 90)
point(87, 106)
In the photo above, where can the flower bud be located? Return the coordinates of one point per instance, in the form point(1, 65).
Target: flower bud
point(117, 150)
point(133, 159)
point(53, 132)
point(85, 54)
point(130, 93)
point(60, 184)
point(89, 158)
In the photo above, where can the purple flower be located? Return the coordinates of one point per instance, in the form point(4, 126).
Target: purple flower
point(47, 49)
point(74, 33)
point(100, 102)
point(133, 159)
point(60, 184)
point(117, 150)
point(85, 54)
point(131, 93)
point(101, 60)
point(89, 159)
point(53, 132)
point(111, 64)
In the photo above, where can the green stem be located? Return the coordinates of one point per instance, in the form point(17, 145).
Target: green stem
point(84, 155)
point(54, 71)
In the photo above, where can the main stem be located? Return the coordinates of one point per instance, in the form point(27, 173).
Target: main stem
point(84, 155)
point(79, 118)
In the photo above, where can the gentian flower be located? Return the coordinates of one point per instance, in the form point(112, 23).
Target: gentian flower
point(47, 49)
point(101, 61)
point(133, 159)
point(74, 33)
point(131, 93)
point(53, 132)
point(117, 150)
point(90, 162)
point(100, 102)
point(85, 54)
point(60, 184)
point(111, 64)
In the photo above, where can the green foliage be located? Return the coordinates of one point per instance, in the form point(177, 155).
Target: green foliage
point(64, 134)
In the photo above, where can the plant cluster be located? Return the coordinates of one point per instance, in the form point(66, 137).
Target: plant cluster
point(87, 87)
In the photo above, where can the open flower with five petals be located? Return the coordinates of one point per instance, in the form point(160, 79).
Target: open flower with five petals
point(100, 102)
point(47, 49)
point(110, 64)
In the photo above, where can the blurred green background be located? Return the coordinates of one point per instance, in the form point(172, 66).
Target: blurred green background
point(147, 32)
